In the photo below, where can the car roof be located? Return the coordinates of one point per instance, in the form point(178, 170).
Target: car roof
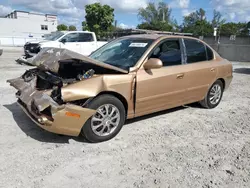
point(158, 36)
point(66, 32)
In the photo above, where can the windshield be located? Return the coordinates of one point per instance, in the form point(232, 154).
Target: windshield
point(123, 53)
point(54, 36)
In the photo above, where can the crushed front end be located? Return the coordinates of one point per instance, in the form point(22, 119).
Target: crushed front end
point(54, 95)
point(38, 94)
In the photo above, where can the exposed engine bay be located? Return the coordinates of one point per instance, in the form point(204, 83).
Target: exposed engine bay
point(70, 71)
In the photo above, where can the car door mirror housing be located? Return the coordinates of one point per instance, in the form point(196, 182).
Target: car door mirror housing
point(153, 63)
point(63, 41)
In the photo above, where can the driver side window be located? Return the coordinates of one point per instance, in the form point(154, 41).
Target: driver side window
point(169, 52)
point(71, 37)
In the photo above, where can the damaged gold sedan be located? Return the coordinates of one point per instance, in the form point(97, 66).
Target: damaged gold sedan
point(72, 94)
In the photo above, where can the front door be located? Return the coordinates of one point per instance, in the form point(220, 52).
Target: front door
point(71, 42)
point(159, 89)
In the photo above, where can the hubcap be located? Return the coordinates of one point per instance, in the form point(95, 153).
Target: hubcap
point(105, 120)
point(215, 94)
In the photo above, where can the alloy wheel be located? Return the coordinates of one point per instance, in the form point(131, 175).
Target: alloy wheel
point(215, 94)
point(105, 120)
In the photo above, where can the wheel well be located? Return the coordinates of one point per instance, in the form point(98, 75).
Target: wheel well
point(119, 96)
point(223, 82)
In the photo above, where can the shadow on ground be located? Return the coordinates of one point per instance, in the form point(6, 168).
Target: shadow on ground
point(161, 113)
point(37, 133)
point(242, 70)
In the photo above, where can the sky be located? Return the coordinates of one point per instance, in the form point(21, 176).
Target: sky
point(71, 12)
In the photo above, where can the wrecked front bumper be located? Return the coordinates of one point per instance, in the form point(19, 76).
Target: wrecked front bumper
point(66, 119)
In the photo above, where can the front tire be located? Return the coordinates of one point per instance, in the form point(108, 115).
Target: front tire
point(108, 120)
point(213, 96)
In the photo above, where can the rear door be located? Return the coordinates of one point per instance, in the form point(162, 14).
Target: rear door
point(159, 89)
point(87, 42)
point(71, 42)
point(201, 69)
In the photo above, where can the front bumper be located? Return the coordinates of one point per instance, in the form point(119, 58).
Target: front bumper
point(66, 119)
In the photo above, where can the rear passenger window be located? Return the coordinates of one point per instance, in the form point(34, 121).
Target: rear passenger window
point(168, 52)
point(210, 54)
point(196, 51)
point(85, 37)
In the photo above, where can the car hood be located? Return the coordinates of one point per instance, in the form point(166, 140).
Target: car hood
point(37, 41)
point(49, 59)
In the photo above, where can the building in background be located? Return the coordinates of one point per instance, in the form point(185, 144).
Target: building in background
point(22, 26)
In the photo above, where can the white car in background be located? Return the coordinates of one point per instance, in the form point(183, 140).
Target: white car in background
point(83, 42)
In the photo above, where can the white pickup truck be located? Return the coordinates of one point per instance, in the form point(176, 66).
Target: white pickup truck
point(83, 42)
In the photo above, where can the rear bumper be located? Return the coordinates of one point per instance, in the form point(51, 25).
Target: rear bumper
point(66, 119)
point(228, 81)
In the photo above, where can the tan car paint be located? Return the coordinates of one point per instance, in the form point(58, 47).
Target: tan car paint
point(155, 89)
point(120, 84)
point(168, 87)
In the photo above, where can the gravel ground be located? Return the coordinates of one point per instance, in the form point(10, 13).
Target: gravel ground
point(183, 147)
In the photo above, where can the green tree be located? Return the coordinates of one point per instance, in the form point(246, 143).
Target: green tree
point(72, 28)
point(99, 18)
point(231, 28)
point(84, 26)
point(156, 17)
point(62, 27)
point(197, 24)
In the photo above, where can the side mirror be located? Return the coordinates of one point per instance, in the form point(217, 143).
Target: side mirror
point(153, 63)
point(63, 41)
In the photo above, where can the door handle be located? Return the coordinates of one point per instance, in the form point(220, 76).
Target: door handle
point(212, 69)
point(180, 76)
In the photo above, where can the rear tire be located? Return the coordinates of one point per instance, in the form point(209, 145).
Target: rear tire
point(213, 96)
point(108, 120)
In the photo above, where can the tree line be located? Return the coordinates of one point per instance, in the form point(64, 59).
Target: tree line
point(63, 27)
point(100, 19)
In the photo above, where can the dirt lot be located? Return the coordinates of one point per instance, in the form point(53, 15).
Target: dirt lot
point(183, 147)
